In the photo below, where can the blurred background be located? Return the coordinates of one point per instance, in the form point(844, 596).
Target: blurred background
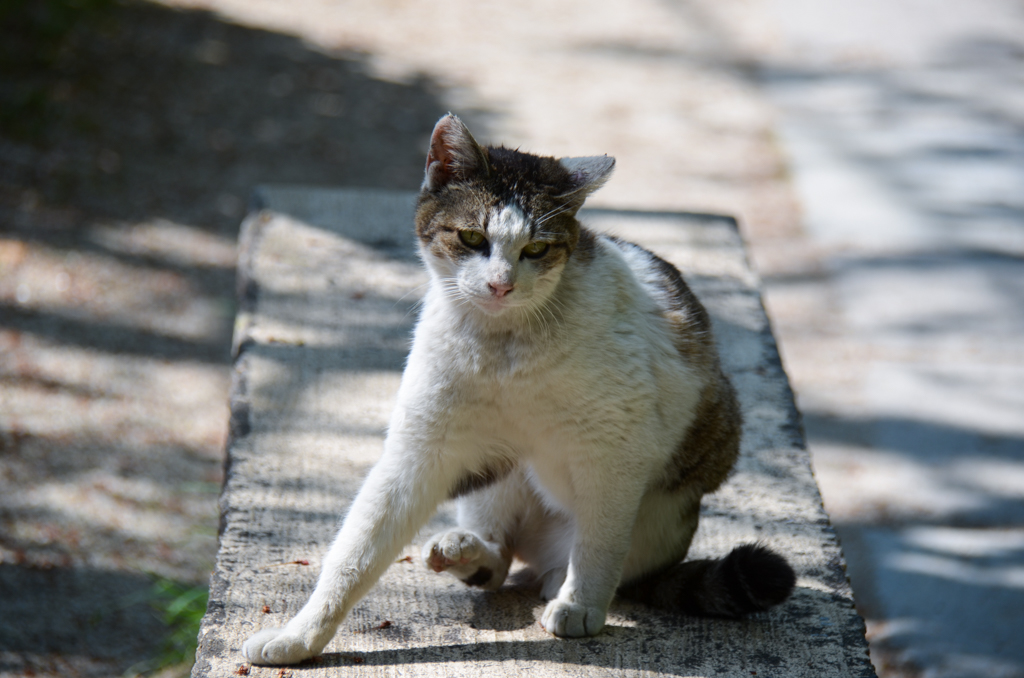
point(873, 153)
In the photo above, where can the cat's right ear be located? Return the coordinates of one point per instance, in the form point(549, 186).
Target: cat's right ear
point(586, 176)
point(454, 154)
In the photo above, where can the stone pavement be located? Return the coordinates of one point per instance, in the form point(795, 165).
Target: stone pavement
point(901, 322)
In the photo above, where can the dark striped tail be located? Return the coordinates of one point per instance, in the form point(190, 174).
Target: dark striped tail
point(752, 578)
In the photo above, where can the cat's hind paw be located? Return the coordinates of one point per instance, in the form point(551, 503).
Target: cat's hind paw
point(275, 647)
point(452, 549)
point(466, 556)
point(571, 620)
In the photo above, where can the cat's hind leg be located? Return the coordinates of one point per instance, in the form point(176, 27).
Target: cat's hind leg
point(465, 555)
point(664, 528)
point(751, 578)
point(479, 551)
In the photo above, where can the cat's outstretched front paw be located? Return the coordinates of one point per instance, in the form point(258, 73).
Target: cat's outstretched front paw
point(276, 647)
point(467, 557)
point(572, 620)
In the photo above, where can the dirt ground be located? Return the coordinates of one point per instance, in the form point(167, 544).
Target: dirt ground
point(125, 163)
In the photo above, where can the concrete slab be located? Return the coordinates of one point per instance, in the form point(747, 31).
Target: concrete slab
point(328, 287)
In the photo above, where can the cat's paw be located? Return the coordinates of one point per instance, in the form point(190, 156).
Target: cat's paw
point(455, 549)
point(275, 647)
point(468, 557)
point(572, 620)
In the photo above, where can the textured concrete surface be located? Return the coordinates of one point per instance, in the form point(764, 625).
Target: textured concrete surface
point(901, 318)
point(329, 283)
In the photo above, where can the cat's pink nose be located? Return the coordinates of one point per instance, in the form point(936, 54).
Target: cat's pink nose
point(500, 289)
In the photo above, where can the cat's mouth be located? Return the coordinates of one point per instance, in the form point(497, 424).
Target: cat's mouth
point(492, 305)
point(497, 304)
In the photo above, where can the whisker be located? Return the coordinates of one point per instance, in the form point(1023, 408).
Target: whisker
point(538, 312)
point(451, 291)
point(416, 304)
point(549, 310)
point(527, 314)
point(558, 305)
point(412, 291)
point(409, 312)
point(553, 213)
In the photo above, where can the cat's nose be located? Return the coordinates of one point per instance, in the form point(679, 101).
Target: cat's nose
point(500, 289)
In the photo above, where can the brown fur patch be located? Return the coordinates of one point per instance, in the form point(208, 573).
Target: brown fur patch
point(440, 218)
point(495, 470)
point(706, 455)
point(708, 452)
point(557, 254)
point(693, 345)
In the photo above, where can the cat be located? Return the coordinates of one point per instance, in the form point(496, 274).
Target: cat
point(566, 387)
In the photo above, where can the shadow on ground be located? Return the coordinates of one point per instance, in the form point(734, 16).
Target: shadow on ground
point(939, 148)
point(920, 566)
point(149, 111)
point(130, 140)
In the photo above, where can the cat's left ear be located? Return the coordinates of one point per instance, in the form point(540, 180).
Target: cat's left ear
point(587, 174)
point(454, 154)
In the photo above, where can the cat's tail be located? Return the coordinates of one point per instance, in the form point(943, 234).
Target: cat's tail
point(752, 578)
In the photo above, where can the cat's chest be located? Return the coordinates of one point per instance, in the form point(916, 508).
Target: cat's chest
point(539, 380)
point(511, 397)
point(534, 402)
point(514, 394)
point(594, 375)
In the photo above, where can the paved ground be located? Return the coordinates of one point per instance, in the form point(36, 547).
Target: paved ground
point(904, 124)
point(897, 291)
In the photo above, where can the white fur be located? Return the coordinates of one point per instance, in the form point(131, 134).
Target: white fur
point(574, 377)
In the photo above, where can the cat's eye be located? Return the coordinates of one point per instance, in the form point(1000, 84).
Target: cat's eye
point(472, 238)
point(535, 249)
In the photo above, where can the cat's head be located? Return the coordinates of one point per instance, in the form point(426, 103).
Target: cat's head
point(497, 226)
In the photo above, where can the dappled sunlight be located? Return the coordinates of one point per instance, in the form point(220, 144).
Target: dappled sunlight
point(863, 484)
point(955, 569)
point(995, 477)
point(943, 597)
point(980, 399)
point(128, 156)
point(982, 557)
point(901, 314)
point(884, 469)
point(964, 542)
point(59, 287)
point(110, 522)
point(69, 394)
point(164, 241)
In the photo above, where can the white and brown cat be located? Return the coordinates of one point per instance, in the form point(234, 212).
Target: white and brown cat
point(566, 387)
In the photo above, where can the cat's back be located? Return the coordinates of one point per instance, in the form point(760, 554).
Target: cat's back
point(711, 443)
point(630, 328)
point(634, 288)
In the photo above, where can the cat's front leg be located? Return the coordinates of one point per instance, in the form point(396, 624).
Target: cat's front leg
point(603, 522)
point(399, 495)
